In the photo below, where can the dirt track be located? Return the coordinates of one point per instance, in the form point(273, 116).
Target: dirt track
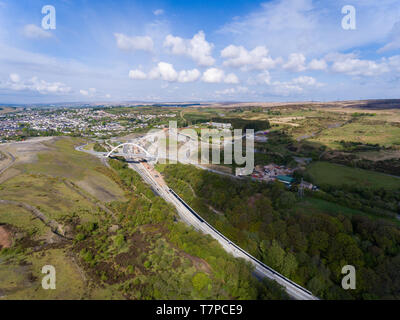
point(55, 226)
point(11, 160)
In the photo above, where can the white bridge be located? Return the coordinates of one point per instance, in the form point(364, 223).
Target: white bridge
point(126, 153)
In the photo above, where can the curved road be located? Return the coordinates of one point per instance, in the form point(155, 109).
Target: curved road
point(189, 216)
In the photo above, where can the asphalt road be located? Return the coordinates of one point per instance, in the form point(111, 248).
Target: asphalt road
point(188, 215)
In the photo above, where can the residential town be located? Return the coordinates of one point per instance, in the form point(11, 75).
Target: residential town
point(85, 121)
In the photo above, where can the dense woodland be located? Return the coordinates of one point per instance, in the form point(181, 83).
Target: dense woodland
point(310, 248)
point(238, 123)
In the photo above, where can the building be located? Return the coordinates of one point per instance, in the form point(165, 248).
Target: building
point(306, 185)
point(242, 171)
point(220, 125)
point(285, 179)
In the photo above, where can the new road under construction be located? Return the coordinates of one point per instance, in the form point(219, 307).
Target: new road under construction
point(191, 217)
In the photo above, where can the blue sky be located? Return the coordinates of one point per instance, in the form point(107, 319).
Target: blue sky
point(280, 50)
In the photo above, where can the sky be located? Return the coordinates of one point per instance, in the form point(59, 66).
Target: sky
point(219, 50)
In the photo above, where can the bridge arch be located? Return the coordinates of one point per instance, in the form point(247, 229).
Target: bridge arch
point(130, 144)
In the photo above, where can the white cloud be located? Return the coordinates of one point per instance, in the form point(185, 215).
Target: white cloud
point(137, 74)
point(14, 77)
point(286, 88)
point(316, 64)
point(352, 66)
point(228, 91)
point(189, 75)
point(34, 84)
point(240, 57)
point(295, 86)
point(34, 32)
point(215, 75)
point(306, 81)
point(167, 72)
point(259, 59)
point(88, 93)
point(296, 62)
point(196, 48)
point(394, 62)
point(232, 91)
point(158, 12)
point(312, 27)
point(231, 78)
point(134, 43)
point(262, 78)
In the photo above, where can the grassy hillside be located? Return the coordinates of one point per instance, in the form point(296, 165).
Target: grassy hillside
point(383, 134)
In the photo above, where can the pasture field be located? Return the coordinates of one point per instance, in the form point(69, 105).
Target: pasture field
point(337, 175)
point(60, 159)
point(50, 195)
point(58, 181)
point(316, 206)
point(360, 131)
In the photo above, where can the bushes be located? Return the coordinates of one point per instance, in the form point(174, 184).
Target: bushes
point(80, 237)
point(88, 257)
point(119, 241)
point(99, 148)
point(244, 124)
point(200, 281)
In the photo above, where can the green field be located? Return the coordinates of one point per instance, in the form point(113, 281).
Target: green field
point(315, 206)
point(337, 175)
point(360, 131)
point(64, 161)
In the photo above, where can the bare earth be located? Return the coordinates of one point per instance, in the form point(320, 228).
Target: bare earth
point(5, 238)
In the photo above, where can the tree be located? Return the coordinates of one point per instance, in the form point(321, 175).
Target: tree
point(275, 255)
point(200, 280)
point(290, 265)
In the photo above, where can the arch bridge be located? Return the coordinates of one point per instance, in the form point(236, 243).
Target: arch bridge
point(145, 155)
